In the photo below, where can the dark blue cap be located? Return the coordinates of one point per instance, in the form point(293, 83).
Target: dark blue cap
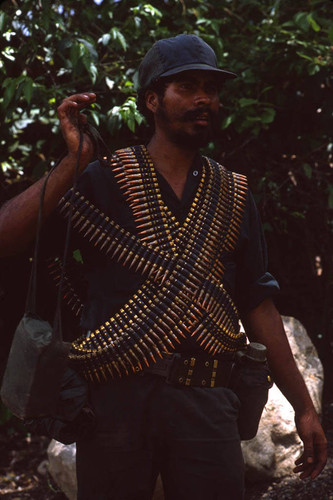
point(175, 55)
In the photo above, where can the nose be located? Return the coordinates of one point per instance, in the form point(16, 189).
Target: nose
point(202, 98)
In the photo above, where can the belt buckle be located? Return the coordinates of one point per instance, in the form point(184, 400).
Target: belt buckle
point(169, 378)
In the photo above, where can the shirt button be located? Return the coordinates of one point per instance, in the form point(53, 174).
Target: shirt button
point(195, 173)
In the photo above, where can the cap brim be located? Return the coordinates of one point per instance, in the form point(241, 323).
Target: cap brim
point(221, 73)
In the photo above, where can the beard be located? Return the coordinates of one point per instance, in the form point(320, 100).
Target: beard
point(200, 135)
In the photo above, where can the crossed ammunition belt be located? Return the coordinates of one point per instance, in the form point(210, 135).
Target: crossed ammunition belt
point(183, 292)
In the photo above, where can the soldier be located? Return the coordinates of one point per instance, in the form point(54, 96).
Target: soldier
point(174, 257)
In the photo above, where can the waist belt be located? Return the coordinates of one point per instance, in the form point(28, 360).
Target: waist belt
point(196, 371)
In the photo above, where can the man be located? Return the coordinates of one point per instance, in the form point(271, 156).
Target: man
point(173, 250)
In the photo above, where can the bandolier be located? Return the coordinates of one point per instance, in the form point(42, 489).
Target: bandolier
point(183, 293)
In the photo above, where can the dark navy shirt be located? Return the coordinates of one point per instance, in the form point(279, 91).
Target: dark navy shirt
point(110, 285)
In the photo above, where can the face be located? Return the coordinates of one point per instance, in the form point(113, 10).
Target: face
point(188, 112)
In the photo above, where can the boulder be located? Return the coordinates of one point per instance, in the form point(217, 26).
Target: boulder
point(62, 467)
point(271, 454)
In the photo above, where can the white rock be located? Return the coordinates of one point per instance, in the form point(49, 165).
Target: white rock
point(272, 453)
point(62, 467)
point(43, 468)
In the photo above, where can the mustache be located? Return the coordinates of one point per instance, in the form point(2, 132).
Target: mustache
point(193, 114)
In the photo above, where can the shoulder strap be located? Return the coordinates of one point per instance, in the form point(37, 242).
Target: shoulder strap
point(30, 307)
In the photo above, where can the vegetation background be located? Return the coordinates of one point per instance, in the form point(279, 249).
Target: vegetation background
point(277, 119)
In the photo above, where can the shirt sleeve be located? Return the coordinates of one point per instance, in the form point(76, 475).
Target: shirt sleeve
point(253, 282)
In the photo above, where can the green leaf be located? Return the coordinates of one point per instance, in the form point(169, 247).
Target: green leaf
point(244, 101)
point(131, 123)
point(93, 71)
point(90, 48)
point(13, 146)
point(152, 11)
point(74, 54)
point(304, 56)
point(138, 117)
point(10, 89)
point(137, 21)
point(28, 85)
point(109, 82)
point(3, 20)
point(78, 256)
point(95, 117)
point(105, 39)
point(117, 35)
point(330, 34)
point(227, 121)
point(8, 53)
point(301, 19)
point(313, 69)
point(46, 13)
point(297, 215)
point(268, 115)
point(307, 170)
point(314, 25)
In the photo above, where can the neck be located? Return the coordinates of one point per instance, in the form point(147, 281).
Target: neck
point(171, 160)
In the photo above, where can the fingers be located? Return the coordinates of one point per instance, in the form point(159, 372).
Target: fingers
point(313, 459)
point(80, 100)
point(71, 120)
point(75, 103)
point(311, 463)
point(321, 459)
point(305, 466)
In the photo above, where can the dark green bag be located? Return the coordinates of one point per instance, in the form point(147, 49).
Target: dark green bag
point(35, 367)
point(38, 356)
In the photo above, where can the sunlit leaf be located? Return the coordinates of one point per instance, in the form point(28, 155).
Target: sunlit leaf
point(314, 25)
point(117, 35)
point(105, 39)
point(90, 48)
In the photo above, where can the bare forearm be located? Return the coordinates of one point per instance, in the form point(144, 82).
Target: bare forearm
point(18, 217)
point(264, 324)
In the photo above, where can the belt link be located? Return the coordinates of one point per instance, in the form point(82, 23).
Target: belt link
point(190, 370)
point(172, 362)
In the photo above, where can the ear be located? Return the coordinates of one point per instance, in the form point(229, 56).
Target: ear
point(151, 100)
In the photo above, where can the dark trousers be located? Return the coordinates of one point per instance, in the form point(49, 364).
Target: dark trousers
point(146, 427)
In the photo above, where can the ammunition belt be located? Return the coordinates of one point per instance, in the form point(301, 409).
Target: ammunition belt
point(183, 293)
point(194, 370)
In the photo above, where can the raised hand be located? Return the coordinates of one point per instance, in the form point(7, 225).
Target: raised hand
point(70, 121)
